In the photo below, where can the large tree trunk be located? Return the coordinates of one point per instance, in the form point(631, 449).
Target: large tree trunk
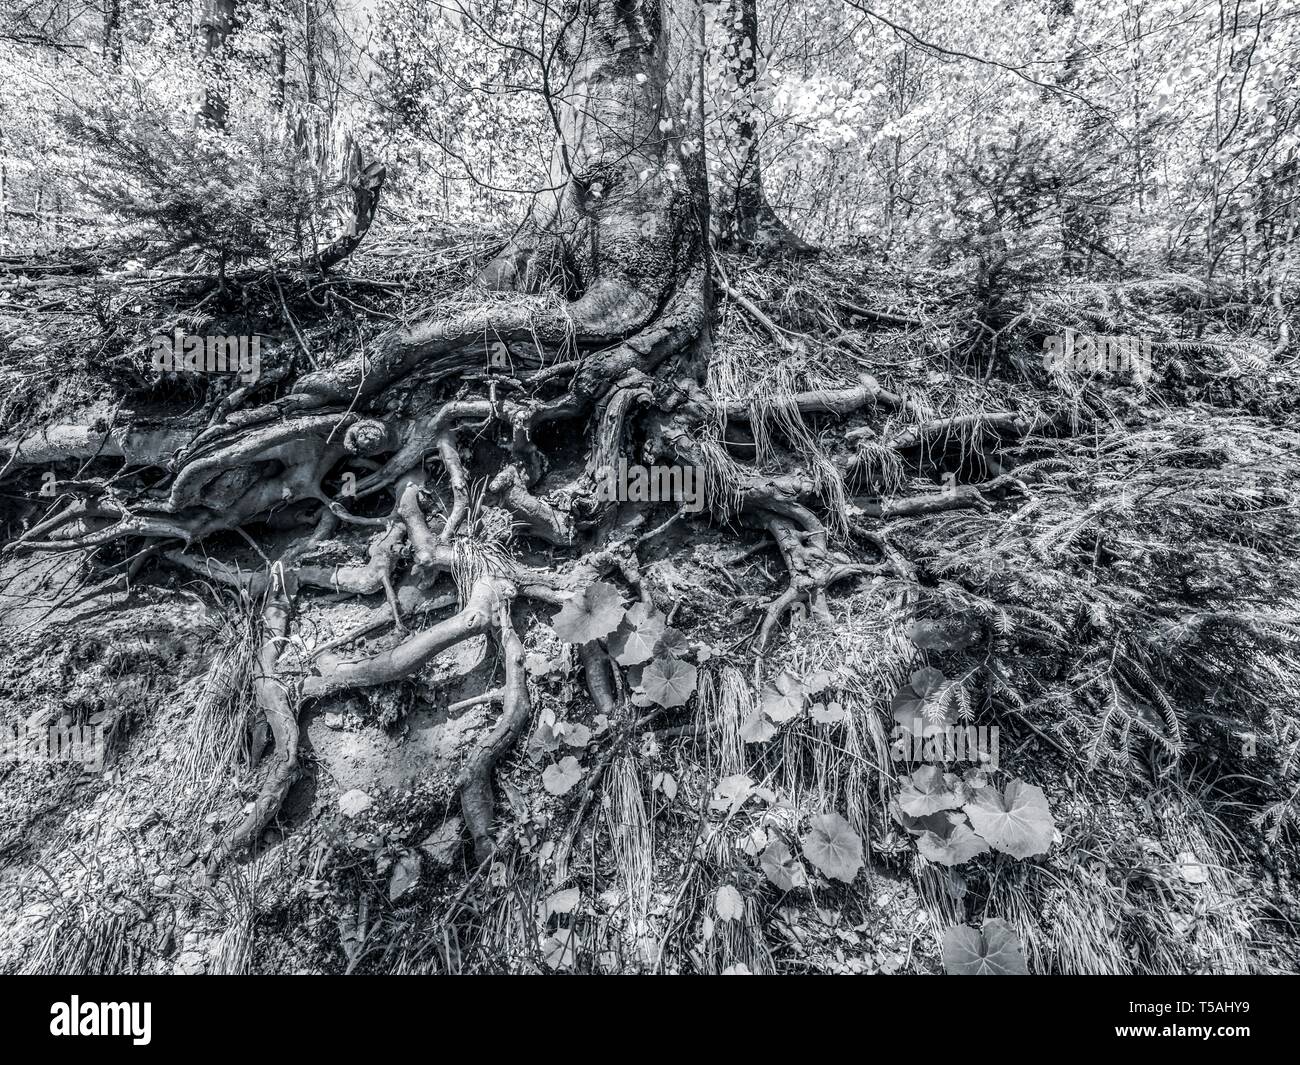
point(622, 236)
point(623, 228)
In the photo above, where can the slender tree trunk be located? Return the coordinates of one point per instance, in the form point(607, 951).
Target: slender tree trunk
point(111, 46)
point(309, 49)
point(278, 59)
point(216, 20)
point(753, 224)
point(4, 193)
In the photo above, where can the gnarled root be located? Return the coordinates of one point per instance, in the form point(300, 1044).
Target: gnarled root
point(476, 777)
point(812, 571)
point(281, 715)
point(409, 655)
point(539, 517)
point(600, 680)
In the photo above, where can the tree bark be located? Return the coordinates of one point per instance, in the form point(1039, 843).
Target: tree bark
point(216, 20)
point(751, 224)
point(111, 46)
point(623, 222)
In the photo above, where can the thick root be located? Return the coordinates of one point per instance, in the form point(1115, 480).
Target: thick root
point(408, 656)
point(282, 718)
point(476, 778)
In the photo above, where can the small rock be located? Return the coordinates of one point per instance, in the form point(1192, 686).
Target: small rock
point(355, 802)
point(162, 883)
point(190, 963)
point(334, 721)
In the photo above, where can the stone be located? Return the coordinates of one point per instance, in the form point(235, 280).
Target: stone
point(355, 802)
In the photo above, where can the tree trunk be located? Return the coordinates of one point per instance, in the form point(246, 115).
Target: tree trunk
point(278, 62)
point(752, 225)
point(216, 20)
point(624, 225)
point(112, 41)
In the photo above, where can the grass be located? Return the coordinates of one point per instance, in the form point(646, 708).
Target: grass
point(221, 714)
point(92, 923)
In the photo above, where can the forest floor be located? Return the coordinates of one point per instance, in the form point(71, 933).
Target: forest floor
point(1120, 600)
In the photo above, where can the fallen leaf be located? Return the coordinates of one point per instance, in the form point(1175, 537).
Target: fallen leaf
point(757, 729)
point(444, 843)
point(560, 951)
point(1191, 870)
point(565, 901)
point(405, 875)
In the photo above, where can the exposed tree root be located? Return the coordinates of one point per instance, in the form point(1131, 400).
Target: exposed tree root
point(408, 656)
point(281, 716)
point(476, 777)
point(1006, 421)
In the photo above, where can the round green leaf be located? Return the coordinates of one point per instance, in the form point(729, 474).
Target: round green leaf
point(925, 792)
point(560, 778)
point(1017, 822)
point(781, 867)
